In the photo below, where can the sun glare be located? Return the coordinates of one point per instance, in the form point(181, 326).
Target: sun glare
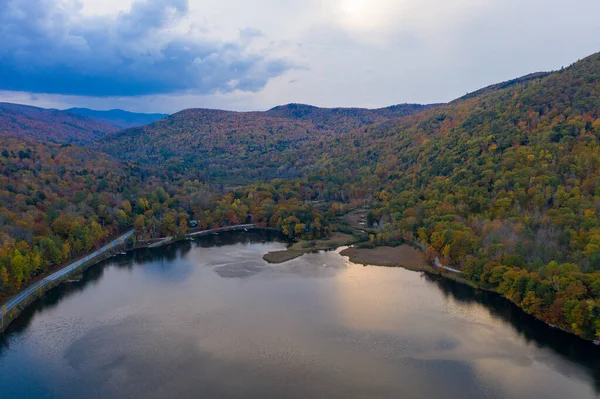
point(354, 7)
point(364, 15)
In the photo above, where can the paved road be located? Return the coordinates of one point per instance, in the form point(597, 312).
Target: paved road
point(16, 300)
point(226, 228)
point(439, 264)
point(166, 240)
point(161, 242)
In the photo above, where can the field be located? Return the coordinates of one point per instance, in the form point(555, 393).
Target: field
point(401, 256)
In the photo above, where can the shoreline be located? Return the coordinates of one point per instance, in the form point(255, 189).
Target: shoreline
point(385, 256)
point(15, 305)
point(299, 248)
point(39, 288)
point(433, 269)
point(373, 257)
point(346, 250)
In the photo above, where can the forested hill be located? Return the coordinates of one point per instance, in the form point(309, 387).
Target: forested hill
point(238, 147)
point(58, 202)
point(50, 125)
point(117, 117)
point(551, 111)
point(504, 85)
point(504, 184)
point(344, 119)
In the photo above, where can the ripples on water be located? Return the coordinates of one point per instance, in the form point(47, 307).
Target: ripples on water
point(210, 318)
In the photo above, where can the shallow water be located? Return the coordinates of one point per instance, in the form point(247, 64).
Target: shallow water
point(211, 319)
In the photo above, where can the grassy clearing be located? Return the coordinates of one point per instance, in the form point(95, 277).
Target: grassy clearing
point(401, 256)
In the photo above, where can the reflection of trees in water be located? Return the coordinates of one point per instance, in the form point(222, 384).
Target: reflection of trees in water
point(229, 238)
point(533, 330)
point(162, 256)
point(148, 255)
point(53, 298)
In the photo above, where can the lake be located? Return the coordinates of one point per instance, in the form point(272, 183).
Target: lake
point(211, 319)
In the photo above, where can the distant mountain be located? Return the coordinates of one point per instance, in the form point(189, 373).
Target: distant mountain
point(236, 147)
point(50, 125)
point(344, 119)
point(502, 184)
point(72, 126)
point(117, 117)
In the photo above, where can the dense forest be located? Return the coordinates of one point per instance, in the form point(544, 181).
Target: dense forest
point(237, 147)
point(51, 125)
point(342, 120)
point(502, 183)
point(117, 117)
point(58, 202)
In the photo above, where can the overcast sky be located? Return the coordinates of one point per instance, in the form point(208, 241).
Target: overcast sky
point(167, 55)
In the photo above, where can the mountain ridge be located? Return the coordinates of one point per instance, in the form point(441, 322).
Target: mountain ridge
point(50, 125)
point(246, 145)
point(119, 118)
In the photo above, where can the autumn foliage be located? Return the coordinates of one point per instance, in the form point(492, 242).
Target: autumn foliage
point(502, 184)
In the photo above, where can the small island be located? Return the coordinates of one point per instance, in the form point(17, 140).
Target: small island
point(302, 247)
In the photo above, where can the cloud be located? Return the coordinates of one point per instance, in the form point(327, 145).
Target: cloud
point(50, 46)
point(365, 53)
point(378, 21)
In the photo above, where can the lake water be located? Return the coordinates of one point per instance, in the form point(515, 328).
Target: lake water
point(211, 319)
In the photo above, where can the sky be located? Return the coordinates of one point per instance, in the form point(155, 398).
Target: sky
point(168, 55)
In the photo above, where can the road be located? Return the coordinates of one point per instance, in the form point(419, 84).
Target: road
point(161, 242)
point(439, 264)
point(166, 240)
point(23, 295)
point(226, 228)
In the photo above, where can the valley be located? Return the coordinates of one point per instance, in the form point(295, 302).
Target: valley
point(501, 184)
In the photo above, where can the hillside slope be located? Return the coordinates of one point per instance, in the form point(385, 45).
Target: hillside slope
point(344, 119)
point(504, 184)
point(117, 117)
point(71, 126)
point(237, 147)
point(58, 202)
point(50, 125)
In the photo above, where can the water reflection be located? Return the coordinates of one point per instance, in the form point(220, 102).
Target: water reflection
point(211, 316)
point(157, 262)
point(532, 330)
